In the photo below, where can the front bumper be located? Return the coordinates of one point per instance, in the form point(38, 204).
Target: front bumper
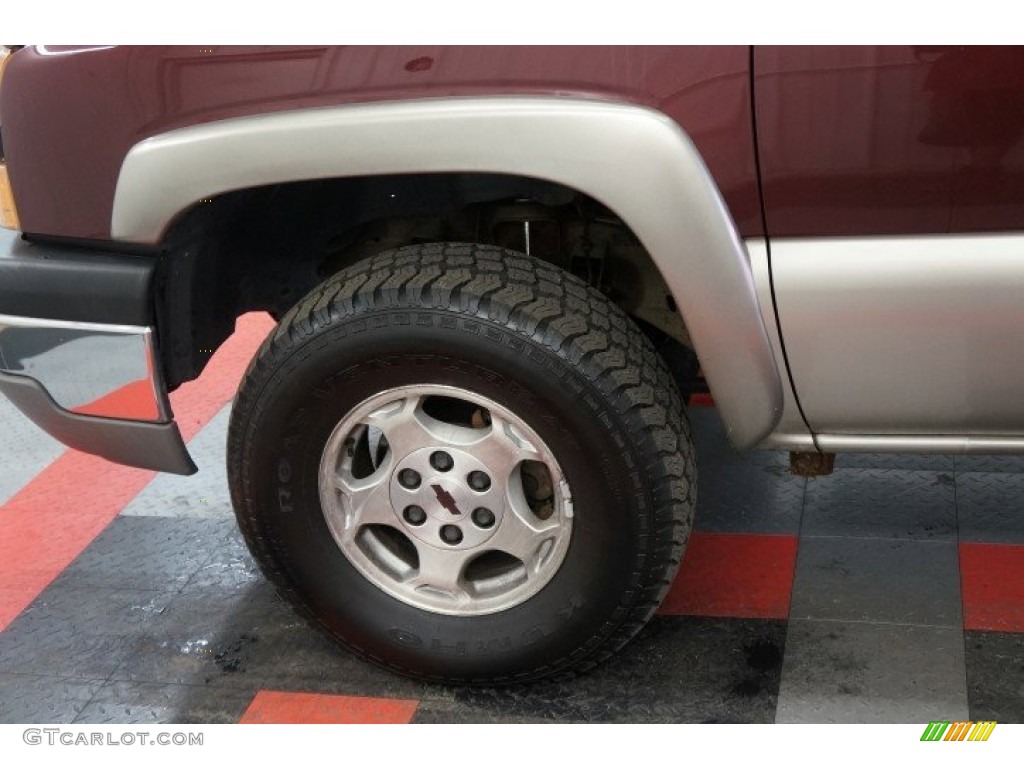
point(77, 352)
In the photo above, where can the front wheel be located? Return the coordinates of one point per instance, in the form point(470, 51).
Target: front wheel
point(464, 465)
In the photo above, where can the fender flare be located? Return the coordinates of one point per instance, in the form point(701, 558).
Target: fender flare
point(634, 160)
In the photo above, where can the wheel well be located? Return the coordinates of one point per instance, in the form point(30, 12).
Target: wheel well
point(264, 248)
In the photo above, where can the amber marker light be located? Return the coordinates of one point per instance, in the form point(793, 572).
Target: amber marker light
point(8, 213)
point(5, 55)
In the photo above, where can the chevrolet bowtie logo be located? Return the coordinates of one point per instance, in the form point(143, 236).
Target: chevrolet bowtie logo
point(445, 499)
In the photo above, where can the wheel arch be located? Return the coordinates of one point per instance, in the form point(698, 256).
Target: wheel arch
point(634, 160)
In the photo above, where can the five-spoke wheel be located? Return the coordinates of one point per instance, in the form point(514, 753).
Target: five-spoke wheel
point(445, 500)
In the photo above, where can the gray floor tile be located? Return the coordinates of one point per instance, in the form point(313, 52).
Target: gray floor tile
point(838, 672)
point(151, 553)
point(43, 699)
point(891, 503)
point(26, 450)
point(122, 702)
point(879, 580)
point(204, 494)
point(677, 670)
point(77, 632)
point(741, 493)
point(990, 506)
point(995, 676)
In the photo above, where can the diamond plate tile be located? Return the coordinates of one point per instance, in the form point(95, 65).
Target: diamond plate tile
point(204, 494)
point(995, 676)
point(24, 452)
point(839, 672)
point(748, 499)
point(885, 503)
point(877, 580)
point(911, 461)
point(250, 639)
point(43, 699)
point(990, 506)
point(121, 702)
point(230, 568)
point(151, 553)
point(676, 670)
point(990, 464)
point(77, 632)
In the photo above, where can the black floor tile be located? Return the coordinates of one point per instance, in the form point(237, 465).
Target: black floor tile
point(230, 568)
point(995, 676)
point(250, 639)
point(911, 461)
point(677, 670)
point(157, 553)
point(749, 500)
point(991, 507)
point(78, 632)
point(893, 503)
point(43, 699)
point(1013, 464)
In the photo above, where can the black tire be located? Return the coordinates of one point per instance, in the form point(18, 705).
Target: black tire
point(528, 336)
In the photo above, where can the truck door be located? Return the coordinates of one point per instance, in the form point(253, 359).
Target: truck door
point(893, 184)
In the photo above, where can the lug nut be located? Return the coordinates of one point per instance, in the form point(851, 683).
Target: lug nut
point(478, 481)
point(483, 517)
point(409, 478)
point(441, 461)
point(414, 515)
point(450, 534)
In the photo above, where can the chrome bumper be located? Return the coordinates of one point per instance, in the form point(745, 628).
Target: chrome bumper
point(87, 368)
point(89, 381)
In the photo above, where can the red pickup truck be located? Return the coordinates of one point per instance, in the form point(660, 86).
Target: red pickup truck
point(463, 452)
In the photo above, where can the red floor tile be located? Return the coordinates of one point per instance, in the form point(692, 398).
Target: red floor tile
point(701, 400)
point(294, 708)
point(992, 584)
point(53, 518)
point(734, 575)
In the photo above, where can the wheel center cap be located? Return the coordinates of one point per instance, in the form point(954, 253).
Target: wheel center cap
point(445, 499)
point(453, 502)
